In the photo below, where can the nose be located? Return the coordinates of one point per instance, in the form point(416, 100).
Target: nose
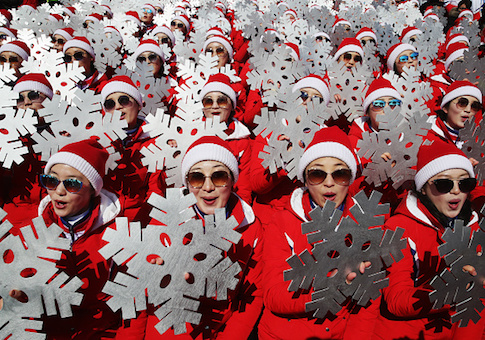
point(455, 190)
point(215, 105)
point(60, 190)
point(208, 185)
point(117, 105)
point(328, 181)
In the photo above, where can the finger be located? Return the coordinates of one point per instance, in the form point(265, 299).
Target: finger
point(350, 277)
point(362, 267)
point(159, 261)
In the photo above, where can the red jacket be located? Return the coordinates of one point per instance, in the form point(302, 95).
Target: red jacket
point(93, 319)
point(284, 316)
point(405, 309)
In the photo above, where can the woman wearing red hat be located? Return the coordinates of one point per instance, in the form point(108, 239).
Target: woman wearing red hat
point(443, 182)
point(14, 53)
point(402, 55)
point(149, 51)
point(220, 46)
point(349, 53)
point(327, 168)
point(33, 89)
point(61, 36)
point(210, 171)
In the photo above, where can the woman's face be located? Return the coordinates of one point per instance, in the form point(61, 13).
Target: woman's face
point(308, 93)
point(210, 197)
point(217, 49)
point(412, 60)
point(126, 104)
point(152, 59)
point(449, 203)
point(178, 25)
point(460, 110)
point(217, 104)
point(374, 109)
point(14, 59)
point(59, 42)
point(85, 60)
point(31, 100)
point(162, 38)
point(350, 59)
point(328, 189)
point(68, 204)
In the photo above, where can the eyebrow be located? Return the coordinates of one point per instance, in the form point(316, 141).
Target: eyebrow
point(215, 166)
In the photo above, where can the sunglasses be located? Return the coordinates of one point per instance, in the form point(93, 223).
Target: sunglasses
point(59, 41)
point(32, 95)
point(72, 185)
point(160, 11)
point(151, 58)
point(304, 96)
point(219, 50)
point(405, 58)
point(445, 185)
point(197, 179)
point(363, 42)
point(3, 36)
point(85, 24)
point(146, 10)
point(319, 38)
point(77, 56)
point(348, 57)
point(124, 101)
point(463, 102)
point(317, 176)
point(222, 102)
point(380, 104)
point(9, 60)
point(179, 25)
point(164, 40)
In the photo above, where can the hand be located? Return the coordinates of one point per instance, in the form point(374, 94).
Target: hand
point(386, 156)
point(338, 98)
point(351, 276)
point(159, 261)
point(172, 143)
point(473, 161)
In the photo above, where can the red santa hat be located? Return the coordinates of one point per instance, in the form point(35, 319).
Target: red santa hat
point(395, 51)
point(5, 13)
point(329, 142)
point(180, 10)
point(69, 10)
point(165, 30)
point(349, 45)
point(290, 12)
point(432, 16)
point(316, 83)
point(340, 22)
point(79, 42)
point(113, 30)
point(461, 88)
point(437, 157)
point(467, 13)
point(87, 156)
point(214, 31)
point(221, 40)
point(380, 87)
point(10, 32)
point(184, 19)
point(18, 47)
point(133, 16)
point(94, 17)
point(221, 7)
point(453, 52)
point(408, 32)
point(34, 82)
point(294, 50)
point(210, 148)
point(149, 45)
point(67, 33)
point(219, 82)
point(457, 37)
point(55, 17)
point(365, 32)
point(122, 84)
point(107, 9)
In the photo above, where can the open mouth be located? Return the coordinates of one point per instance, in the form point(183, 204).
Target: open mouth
point(453, 204)
point(60, 204)
point(330, 196)
point(209, 201)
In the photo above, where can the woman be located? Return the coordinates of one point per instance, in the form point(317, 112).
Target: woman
point(210, 171)
point(33, 89)
point(61, 36)
point(402, 55)
point(312, 87)
point(219, 46)
point(77, 203)
point(131, 179)
point(443, 181)
point(349, 53)
point(14, 53)
point(327, 168)
point(181, 23)
point(164, 36)
point(149, 51)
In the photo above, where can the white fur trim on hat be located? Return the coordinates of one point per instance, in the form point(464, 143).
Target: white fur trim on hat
point(349, 48)
point(316, 84)
point(366, 34)
point(79, 44)
point(121, 86)
point(63, 34)
point(458, 38)
point(9, 47)
point(80, 164)
point(397, 51)
point(216, 86)
point(31, 85)
point(383, 92)
point(9, 33)
point(453, 56)
point(340, 22)
point(165, 30)
point(184, 21)
point(440, 164)
point(221, 41)
point(411, 33)
point(462, 91)
point(149, 47)
point(209, 152)
point(327, 149)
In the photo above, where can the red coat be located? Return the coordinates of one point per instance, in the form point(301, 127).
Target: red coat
point(93, 319)
point(284, 316)
point(405, 309)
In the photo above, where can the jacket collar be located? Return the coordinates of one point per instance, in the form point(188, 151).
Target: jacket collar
point(239, 130)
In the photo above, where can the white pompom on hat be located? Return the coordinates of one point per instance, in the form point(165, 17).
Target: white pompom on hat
point(122, 84)
point(34, 82)
point(210, 148)
point(316, 83)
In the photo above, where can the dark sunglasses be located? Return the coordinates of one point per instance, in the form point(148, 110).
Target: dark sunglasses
point(405, 58)
point(59, 41)
point(463, 102)
point(304, 96)
point(179, 25)
point(124, 101)
point(317, 176)
point(32, 95)
point(72, 185)
point(151, 58)
point(445, 185)
point(219, 50)
point(160, 11)
point(348, 57)
point(222, 102)
point(197, 179)
point(85, 24)
point(77, 56)
point(380, 104)
point(9, 60)
point(164, 40)
point(3, 36)
point(363, 42)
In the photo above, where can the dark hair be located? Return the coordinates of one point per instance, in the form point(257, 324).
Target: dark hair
point(467, 3)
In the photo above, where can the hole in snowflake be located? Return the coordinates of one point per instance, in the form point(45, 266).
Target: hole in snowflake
point(479, 250)
point(189, 277)
point(152, 257)
point(165, 240)
point(349, 240)
point(180, 130)
point(75, 121)
point(28, 272)
point(177, 153)
point(407, 157)
point(290, 146)
point(193, 132)
point(301, 144)
point(332, 272)
point(8, 256)
point(165, 281)
point(366, 246)
point(200, 257)
point(2, 116)
point(138, 84)
point(307, 130)
point(187, 238)
point(147, 86)
point(89, 125)
point(469, 286)
point(333, 254)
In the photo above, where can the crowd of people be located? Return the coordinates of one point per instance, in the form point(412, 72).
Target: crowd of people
point(262, 55)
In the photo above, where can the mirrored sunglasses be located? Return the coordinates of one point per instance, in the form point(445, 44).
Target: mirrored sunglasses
point(77, 56)
point(380, 104)
point(147, 10)
point(445, 185)
point(197, 179)
point(304, 96)
point(151, 58)
point(72, 185)
point(463, 102)
point(124, 101)
point(222, 102)
point(348, 57)
point(340, 176)
point(405, 58)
